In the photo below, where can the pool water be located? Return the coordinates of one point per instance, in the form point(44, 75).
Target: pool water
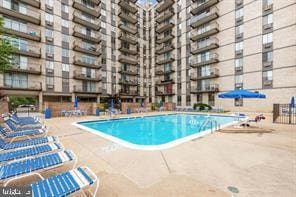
point(153, 130)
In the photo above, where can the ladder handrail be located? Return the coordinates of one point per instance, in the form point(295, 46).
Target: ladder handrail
point(209, 120)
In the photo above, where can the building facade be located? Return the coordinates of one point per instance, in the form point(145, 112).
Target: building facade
point(183, 52)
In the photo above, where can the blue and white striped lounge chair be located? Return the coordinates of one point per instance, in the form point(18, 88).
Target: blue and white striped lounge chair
point(66, 183)
point(26, 143)
point(14, 127)
point(22, 134)
point(15, 170)
point(30, 151)
point(24, 120)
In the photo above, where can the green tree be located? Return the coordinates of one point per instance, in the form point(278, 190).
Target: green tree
point(6, 49)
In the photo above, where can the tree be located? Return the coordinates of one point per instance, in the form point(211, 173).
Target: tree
point(6, 49)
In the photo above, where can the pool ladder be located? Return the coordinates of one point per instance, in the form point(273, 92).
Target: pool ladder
point(209, 120)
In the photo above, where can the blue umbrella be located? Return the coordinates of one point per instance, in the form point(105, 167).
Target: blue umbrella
point(112, 104)
point(75, 102)
point(238, 94)
point(160, 103)
point(292, 102)
point(141, 103)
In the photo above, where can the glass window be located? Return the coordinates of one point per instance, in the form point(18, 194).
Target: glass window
point(65, 23)
point(239, 13)
point(49, 17)
point(49, 80)
point(239, 62)
point(65, 8)
point(267, 56)
point(50, 65)
point(239, 46)
point(65, 67)
point(268, 19)
point(267, 75)
point(65, 38)
point(239, 29)
point(267, 38)
point(65, 52)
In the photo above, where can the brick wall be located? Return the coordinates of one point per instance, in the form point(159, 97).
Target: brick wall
point(57, 107)
point(134, 106)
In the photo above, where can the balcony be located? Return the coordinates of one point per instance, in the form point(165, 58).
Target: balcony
point(212, 73)
point(23, 67)
point(28, 33)
point(163, 5)
point(88, 49)
point(128, 82)
point(128, 28)
point(165, 15)
point(28, 50)
point(132, 18)
point(33, 3)
point(205, 18)
point(197, 7)
point(164, 82)
point(128, 59)
point(165, 26)
point(212, 59)
point(164, 72)
point(213, 29)
point(92, 10)
point(23, 85)
point(128, 93)
point(83, 76)
point(128, 38)
point(164, 48)
point(86, 89)
point(88, 22)
point(164, 60)
point(128, 6)
point(92, 37)
point(204, 46)
point(97, 2)
point(209, 88)
point(79, 61)
point(129, 50)
point(133, 72)
point(164, 93)
point(165, 38)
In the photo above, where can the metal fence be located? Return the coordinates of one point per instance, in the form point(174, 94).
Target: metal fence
point(284, 114)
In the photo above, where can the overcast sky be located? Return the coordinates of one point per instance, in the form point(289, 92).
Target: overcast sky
point(143, 1)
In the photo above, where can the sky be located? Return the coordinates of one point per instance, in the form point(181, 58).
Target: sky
point(143, 1)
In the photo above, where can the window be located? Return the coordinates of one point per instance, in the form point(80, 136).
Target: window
point(49, 2)
point(238, 79)
point(65, 52)
point(239, 46)
point(48, 33)
point(50, 65)
point(267, 56)
point(239, 62)
point(49, 81)
point(65, 38)
point(49, 49)
point(239, 13)
point(65, 68)
point(65, 23)
point(48, 17)
point(267, 75)
point(268, 19)
point(238, 102)
point(239, 29)
point(267, 38)
point(65, 8)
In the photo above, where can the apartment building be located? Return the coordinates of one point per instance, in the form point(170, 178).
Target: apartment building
point(173, 51)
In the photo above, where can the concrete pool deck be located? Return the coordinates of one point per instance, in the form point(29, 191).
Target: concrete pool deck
point(258, 164)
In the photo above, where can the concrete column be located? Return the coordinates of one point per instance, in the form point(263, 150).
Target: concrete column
point(98, 99)
point(73, 97)
point(40, 101)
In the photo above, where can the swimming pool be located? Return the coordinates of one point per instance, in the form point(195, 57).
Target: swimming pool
point(155, 132)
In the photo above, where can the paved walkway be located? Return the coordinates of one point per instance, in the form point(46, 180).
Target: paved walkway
point(257, 164)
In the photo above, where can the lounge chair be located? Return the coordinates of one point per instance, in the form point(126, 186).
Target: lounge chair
point(21, 134)
point(26, 143)
point(24, 120)
point(14, 127)
point(30, 151)
point(15, 170)
point(66, 183)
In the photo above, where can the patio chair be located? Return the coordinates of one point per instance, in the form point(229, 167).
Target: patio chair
point(66, 183)
point(22, 134)
point(24, 120)
point(30, 151)
point(4, 146)
point(12, 126)
point(29, 166)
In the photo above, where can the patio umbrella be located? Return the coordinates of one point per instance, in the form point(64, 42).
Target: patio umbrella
point(75, 104)
point(141, 103)
point(292, 102)
point(112, 104)
point(240, 94)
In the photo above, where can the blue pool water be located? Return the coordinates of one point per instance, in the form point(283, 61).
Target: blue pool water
point(154, 130)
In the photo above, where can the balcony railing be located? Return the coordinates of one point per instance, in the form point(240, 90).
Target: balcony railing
point(93, 23)
point(22, 85)
point(14, 10)
point(211, 29)
point(26, 67)
point(81, 75)
point(78, 60)
point(86, 89)
point(132, 18)
point(128, 27)
point(204, 17)
point(26, 49)
point(205, 88)
point(128, 37)
point(164, 93)
point(165, 26)
point(87, 48)
point(16, 29)
point(197, 7)
point(205, 45)
point(164, 37)
point(132, 82)
point(212, 73)
point(129, 6)
point(164, 82)
point(210, 59)
point(163, 5)
point(165, 15)
point(165, 59)
point(128, 92)
point(94, 36)
point(128, 71)
point(90, 9)
point(128, 59)
point(131, 49)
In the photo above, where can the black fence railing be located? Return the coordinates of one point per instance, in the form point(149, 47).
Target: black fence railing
point(284, 114)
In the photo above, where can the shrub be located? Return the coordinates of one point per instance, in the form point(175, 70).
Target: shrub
point(201, 106)
point(102, 106)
